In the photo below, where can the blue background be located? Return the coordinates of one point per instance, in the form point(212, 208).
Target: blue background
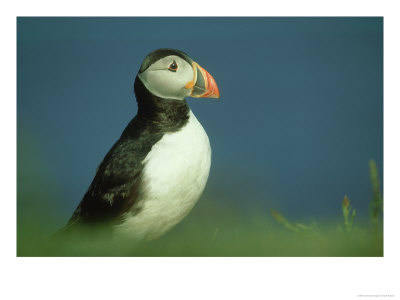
point(300, 113)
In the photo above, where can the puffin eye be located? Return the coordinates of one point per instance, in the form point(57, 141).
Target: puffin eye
point(173, 67)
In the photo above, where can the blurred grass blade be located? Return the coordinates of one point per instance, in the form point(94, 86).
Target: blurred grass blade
point(376, 205)
point(282, 220)
point(346, 209)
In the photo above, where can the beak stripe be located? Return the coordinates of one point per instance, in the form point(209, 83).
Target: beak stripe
point(205, 85)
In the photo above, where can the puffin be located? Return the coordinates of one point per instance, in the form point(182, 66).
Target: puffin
point(157, 170)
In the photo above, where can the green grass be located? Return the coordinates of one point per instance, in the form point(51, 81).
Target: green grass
point(205, 234)
point(212, 230)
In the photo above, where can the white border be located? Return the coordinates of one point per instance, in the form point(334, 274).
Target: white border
point(198, 278)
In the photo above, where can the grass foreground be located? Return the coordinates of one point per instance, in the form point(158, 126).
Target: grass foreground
point(206, 234)
point(220, 231)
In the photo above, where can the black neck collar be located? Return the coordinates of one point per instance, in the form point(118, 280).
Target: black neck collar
point(160, 114)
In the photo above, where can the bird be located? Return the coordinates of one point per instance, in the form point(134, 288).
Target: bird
point(157, 170)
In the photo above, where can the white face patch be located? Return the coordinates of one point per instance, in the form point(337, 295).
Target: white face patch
point(162, 81)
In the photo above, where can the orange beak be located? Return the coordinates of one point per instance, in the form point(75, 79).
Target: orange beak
point(204, 85)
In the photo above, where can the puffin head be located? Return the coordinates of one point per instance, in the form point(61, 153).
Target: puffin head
point(172, 74)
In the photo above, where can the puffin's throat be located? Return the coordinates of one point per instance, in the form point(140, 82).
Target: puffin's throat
point(165, 114)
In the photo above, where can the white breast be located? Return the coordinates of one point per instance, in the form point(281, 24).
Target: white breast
point(175, 174)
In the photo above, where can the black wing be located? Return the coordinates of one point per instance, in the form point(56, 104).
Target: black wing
point(115, 187)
